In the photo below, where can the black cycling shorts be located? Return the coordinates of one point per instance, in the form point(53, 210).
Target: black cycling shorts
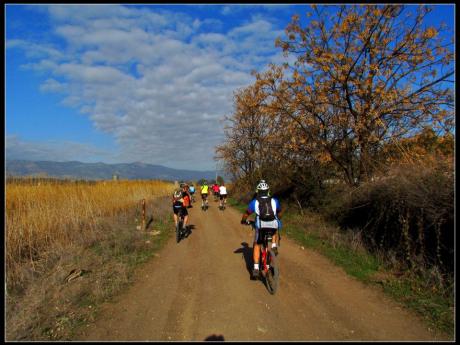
point(259, 234)
point(204, 196)
point(177, 209)
point(223, 196)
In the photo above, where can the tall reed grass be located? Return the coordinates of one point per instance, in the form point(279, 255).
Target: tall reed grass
point(42, 214)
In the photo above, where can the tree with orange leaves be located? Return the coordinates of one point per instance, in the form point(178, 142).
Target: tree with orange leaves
point(364, 76)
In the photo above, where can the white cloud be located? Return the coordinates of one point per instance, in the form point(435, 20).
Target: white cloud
point(34, 50)
point(52, 85)
point(159, 82)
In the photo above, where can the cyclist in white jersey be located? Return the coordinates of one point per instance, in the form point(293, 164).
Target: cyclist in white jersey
point(222, 195)
point(263, 221)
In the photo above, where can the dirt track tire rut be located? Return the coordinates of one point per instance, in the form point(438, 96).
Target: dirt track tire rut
point(201, 286)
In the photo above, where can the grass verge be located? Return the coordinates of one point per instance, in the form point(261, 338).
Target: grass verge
point(52, 308)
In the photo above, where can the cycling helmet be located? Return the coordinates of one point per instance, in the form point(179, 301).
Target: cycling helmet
point(177, 194)
point(262, 186)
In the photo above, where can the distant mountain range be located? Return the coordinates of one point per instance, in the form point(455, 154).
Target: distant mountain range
point(102, 171)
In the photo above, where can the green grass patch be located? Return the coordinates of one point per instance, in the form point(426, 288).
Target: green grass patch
point(151, 244)
point(434, 305)
point(236, 204)
point(357, 264)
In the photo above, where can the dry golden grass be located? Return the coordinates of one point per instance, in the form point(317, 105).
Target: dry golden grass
point(40, 215)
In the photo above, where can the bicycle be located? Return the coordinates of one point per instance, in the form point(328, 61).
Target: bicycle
point(204, 204)
point(222, 205)
point(269, 269)
point(180, 226)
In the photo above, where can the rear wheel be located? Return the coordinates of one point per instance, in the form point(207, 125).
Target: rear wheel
point(272, 276)
point(178, 230)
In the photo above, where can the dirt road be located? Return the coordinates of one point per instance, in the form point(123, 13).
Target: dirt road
point(201, 287)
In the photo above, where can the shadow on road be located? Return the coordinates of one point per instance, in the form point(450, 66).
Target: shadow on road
point(215, 337)
point(190, 227)
point(247, 256)
point(187, 232)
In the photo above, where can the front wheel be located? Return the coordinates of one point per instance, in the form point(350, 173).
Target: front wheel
point(272, 276)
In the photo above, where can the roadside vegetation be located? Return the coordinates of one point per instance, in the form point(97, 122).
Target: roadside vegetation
point(71, 246)
point(357, 137)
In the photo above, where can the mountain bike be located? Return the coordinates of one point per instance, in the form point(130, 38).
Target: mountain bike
point(268, 265)
point(204, 205)
point(180, 226)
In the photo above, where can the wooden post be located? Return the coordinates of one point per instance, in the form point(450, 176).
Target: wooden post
point(143, 215)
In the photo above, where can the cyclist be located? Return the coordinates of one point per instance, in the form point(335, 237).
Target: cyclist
point(215, 190)
point(222, 195)
point(192, 191)
point(204, 193)
point(178, 205)
point(268, 213)
point(185, 194)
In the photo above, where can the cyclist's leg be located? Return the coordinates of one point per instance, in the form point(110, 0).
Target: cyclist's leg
point(275, 239)
point(256, 254)
point(185, 214)
point(175, 219)
point(256, 249)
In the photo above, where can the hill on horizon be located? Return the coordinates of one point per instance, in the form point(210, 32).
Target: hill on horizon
point(102, 171)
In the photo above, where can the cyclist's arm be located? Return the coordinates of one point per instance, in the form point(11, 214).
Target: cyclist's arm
point(279, 210)
point(250, 210)
point(245, 216)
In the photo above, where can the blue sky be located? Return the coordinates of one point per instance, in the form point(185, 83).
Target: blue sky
point(125, 83)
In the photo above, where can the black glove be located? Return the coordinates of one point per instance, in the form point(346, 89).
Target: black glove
point(244, 222)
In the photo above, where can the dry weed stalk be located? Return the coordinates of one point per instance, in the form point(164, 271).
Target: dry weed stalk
point(39, 215)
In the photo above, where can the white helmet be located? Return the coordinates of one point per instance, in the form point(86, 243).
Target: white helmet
point(177, 194)
point(262, 186)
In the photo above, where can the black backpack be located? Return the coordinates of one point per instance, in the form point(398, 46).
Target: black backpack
point(266, 212)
